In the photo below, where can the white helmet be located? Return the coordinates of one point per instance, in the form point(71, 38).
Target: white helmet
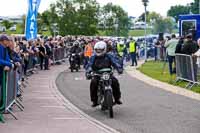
point(100, 48)
point(121, 42)
point(76, 43)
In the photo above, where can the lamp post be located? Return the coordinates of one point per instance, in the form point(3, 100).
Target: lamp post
point(117, 27)
point(152, 21)
point(199, 6)
point(145, 9)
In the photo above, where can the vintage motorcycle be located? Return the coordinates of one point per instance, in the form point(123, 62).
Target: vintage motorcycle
point(104, 92)
point(74, 62)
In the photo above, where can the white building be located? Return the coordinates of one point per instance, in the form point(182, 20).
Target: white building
point(13, 19)
point(2, 28)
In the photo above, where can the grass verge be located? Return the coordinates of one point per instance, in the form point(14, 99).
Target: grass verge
point(159, 71)
point(139, 32)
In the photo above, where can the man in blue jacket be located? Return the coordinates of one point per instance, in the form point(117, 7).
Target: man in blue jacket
point(5, 63)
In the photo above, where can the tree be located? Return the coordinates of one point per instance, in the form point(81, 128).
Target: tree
point(163, 25)
point(194, 7)
point(177, 10)
point(6, 23)
point(85, 17)
point(142, 16)
point(75, 17)
point(153, 16)
point(115, 19)
point(47, 19)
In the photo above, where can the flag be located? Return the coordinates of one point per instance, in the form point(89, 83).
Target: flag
point(31, 19)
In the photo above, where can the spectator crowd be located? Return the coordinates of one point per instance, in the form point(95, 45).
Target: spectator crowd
point(16, 51)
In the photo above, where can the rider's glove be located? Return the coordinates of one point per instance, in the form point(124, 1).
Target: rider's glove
point(88, 75)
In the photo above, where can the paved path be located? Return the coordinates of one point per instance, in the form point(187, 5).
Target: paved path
point(146, 108)
point(46, 111)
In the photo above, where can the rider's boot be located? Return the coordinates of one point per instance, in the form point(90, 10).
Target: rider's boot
point(94, 104)
point(118, 101)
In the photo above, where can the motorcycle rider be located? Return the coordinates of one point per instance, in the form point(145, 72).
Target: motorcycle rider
point(121, 49)
point(98, 61)
point(76, 49)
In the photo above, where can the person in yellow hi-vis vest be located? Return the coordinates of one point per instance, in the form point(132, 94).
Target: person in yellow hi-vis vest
point(132, 51)
point(121, 47)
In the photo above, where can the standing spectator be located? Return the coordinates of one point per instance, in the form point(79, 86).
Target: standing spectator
point(34, 50)
point(132, 51)
point(171, 48)
point(25, 55)
point(14, 56)
point(163, 53)
point(5, 63)
point(87, 53)
point(48, 55)
point(4, 56)
point(42, 54)
point(197, 53)
point(155, 43)
point(189, 47)
point(179, 45)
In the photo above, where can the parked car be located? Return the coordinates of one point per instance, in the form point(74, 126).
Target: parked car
point(13, 28)
point(139, 25)
point(2, 28)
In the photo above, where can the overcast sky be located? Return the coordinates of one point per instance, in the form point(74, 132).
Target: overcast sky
point(133, 7)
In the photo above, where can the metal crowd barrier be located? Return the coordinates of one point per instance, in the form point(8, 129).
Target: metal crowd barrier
point(33, 62)
point(186, 69)
point(59, 54)
point(2, 97)
point(12, 80)
point(9, 93)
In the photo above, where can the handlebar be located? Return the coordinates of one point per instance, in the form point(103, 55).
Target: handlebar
point(100, 72)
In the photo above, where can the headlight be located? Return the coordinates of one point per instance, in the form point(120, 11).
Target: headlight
point(106, 76)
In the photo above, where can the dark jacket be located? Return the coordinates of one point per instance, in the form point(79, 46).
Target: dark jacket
point(189, 47)
point(42, 50)
point(75, 50)
point(179, 47)
point(13, 55)
point(99, 62)
point(48, 49)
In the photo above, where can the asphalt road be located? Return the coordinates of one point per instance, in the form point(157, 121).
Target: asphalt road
point(145, 109)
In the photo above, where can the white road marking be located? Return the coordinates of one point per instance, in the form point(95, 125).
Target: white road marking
point(68, 118)
point(62, 107)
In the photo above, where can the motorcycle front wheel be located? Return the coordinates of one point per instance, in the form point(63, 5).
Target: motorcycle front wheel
point(109, 99)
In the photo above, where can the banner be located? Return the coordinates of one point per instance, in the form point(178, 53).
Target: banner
point(31, 19)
